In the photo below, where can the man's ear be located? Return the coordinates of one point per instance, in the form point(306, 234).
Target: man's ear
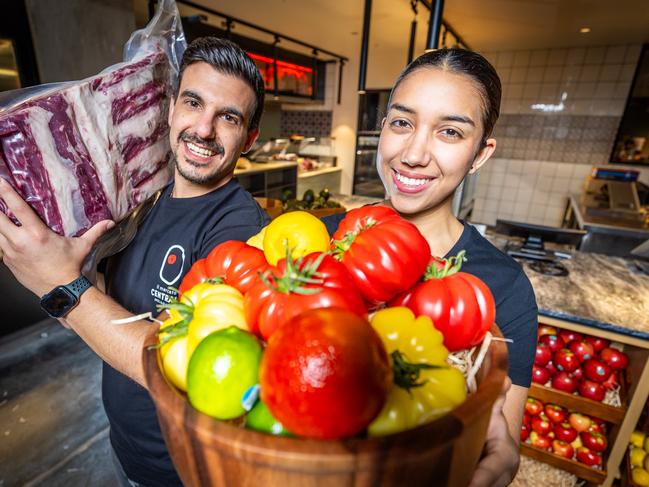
point(483, 155)
point(383, 122)
point(250, 139)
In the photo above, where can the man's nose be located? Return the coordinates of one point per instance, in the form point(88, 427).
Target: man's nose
point(204, 127)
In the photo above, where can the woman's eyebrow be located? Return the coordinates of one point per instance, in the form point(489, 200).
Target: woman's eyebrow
point(458, 118)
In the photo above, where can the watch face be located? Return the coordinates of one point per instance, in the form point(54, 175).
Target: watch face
point(58, 302)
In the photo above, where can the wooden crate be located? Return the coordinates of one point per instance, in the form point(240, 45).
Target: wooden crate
point(574, 467)
point(622, 421)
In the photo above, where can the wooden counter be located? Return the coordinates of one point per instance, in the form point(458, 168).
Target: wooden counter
point(268, 179)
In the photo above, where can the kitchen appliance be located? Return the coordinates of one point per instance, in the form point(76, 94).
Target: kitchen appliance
point(613, 193)
point(533, 249)
point(372, 107)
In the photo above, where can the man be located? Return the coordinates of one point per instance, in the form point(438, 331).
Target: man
point(213, 118)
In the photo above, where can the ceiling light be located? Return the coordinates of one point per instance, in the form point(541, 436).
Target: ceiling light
point(584, 30)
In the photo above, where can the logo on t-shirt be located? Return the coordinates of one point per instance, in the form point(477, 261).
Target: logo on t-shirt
point(172, 265)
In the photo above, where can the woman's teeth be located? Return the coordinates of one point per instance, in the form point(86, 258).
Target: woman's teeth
point(199, 151)
point(412, 181)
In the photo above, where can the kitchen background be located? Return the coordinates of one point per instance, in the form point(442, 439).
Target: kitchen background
point(567, 68)
point(564, 91)
point(560, 113)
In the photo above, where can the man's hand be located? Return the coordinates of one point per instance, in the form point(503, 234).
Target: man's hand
point(501, 455)
point(38, 257)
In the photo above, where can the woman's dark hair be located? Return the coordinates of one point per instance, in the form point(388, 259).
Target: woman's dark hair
point(468, 63)
point(227, 58)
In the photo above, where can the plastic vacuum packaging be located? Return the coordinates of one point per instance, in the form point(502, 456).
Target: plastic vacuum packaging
point(84, 151)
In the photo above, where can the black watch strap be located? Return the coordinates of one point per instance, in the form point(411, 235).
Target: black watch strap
point(79, 285)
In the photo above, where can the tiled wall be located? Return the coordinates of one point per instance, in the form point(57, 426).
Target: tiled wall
point(310, 123)
point(571, 138)
point(559, 116)
point(528, 191)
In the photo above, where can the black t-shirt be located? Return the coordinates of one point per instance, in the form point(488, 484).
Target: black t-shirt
point(176, 233)
point(516, 310)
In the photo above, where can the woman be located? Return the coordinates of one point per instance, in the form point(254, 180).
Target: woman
point(437, 129)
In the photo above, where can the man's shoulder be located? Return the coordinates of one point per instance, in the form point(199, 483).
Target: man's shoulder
point(241, 208)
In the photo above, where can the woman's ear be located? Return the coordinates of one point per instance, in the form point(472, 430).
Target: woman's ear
point(483, 155)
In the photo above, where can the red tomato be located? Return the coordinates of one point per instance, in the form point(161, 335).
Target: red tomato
point(236, 263)
point(460, 305)
point(384, 253)
point(315, 281)
point(197, 274)
point(325, 374)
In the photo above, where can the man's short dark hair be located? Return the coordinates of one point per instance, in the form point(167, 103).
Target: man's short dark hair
point(227, 58)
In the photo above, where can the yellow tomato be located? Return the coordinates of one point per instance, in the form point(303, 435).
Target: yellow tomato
point(175, 360)
point(640, 476)
point(202, 291)
point(637, 456)
point(219, 308)
point(300, 231)
point(174, 317)
point(257, 240)
point(637, 439)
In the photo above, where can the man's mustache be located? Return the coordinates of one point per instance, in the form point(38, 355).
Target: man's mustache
point(212, 145)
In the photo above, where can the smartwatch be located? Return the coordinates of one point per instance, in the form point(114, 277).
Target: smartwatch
point(62, 299)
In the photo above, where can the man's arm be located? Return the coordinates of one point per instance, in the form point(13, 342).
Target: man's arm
point(41, 259)
point(119, 345)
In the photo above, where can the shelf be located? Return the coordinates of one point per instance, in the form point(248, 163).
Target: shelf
point(318, 172)
point(574, 467)
point(577, 403)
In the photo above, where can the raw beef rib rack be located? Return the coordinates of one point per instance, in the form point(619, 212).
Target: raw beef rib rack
point(91, 150)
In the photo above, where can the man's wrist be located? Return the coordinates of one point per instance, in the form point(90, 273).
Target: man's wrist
point(58, 302)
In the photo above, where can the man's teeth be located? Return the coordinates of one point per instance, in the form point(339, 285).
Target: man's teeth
point(199, 151)
point(412, 181)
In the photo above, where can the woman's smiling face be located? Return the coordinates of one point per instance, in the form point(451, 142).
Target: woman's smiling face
point(431, 137)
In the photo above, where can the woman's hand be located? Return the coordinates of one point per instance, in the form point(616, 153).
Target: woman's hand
point(501, 455)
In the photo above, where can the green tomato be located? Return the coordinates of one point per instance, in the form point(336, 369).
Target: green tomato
point(261, 419)
point(223, 366)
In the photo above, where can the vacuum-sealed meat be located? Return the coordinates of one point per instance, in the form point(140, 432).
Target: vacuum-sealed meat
point(90, 150)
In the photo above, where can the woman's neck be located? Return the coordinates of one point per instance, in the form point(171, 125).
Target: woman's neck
point(439, 227)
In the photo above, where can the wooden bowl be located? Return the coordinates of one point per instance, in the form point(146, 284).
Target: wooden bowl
point(207, 452)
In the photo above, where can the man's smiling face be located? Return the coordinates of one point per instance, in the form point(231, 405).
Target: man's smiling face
point(209, 126)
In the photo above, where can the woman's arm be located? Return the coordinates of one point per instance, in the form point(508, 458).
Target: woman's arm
point(502, 448)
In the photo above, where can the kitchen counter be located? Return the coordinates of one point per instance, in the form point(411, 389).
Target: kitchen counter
point(600, 291)
point(256, 167)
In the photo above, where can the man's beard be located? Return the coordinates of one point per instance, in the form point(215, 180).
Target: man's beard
point(202, 179)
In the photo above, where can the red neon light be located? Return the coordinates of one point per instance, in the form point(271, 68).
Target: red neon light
point(280, 64)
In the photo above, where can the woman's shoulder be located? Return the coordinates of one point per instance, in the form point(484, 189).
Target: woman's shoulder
point(503, 275)
point(332, 221)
